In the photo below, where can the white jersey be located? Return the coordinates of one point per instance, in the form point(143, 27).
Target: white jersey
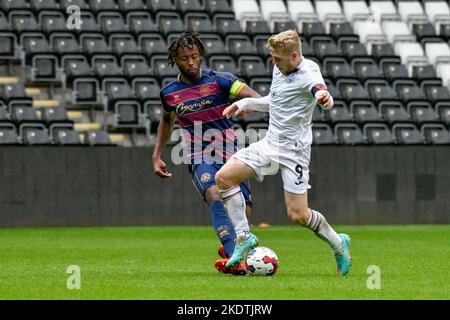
point(292, 104)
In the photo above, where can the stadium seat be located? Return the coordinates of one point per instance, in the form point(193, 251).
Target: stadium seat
point(393, 112)
point(65, 43)
point(355, 10)
point(426, 76)
point(301, 11)
point(160, 67)
point(111, 22)
point(66, 137)
point(311, 29)
point(170, 23)
point(141, 23)
point(224, 64)
point(97, 138)
point(412, 12)
point(329, 11)
point(152, 44)
point(280, 26)
point(35, 135)
point(127, 5)
point(443, 110)
point(103, 5)
point(352, 90)
point(437, 94)
point(122, 44)
point(82, 4)
point(261, 85)
point(239, 45)
point(422, 113)
point(146, 88)
point(105, 66)
point(365, 111)
point(322, 134)
point(438, 12)
point(10, 5)
point(45, 68)
point(52, 22)
point(411, 54)
point(55, 115)
point(76, 66)
point(214, 7)
point(437, 53)
point(378, 134)
point(349, 134)
point(23, 21)
point(213, 44)
point(186, 6)
point(199, 22)
point(135, 66)
point(424, 32)
point(257, 27)
point(89, 23)
point(157, 6)
point(8, 135)
point(340, 113)
point(274, 10)
point(343, 31)
point(395, 71)
point(93, 44)
point(338, 68)
point(384, 53)
point(436, 134)
point(127, 114)
point(228, 26)
point(384, 11)
point(407, 134)
point(246, 10)
point(252, 67)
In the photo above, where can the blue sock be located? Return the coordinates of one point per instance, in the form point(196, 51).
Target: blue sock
point(223, 227)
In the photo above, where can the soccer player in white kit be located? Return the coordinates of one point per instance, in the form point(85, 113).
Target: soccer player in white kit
point(297, 86)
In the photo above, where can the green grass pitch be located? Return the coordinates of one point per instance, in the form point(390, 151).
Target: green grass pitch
point(177, 263)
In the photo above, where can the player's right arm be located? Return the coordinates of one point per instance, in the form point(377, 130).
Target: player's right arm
point(163, 135)
point(256, 104)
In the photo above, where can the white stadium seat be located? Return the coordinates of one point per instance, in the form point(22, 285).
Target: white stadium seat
point(355, 10)
point(411, 54)
point(369, 33)
point(383, 10)
point(443, 71)
point(246, 10)
point(397, 31)
point(412, 12)
point(302, 11)
point(274, 10)
point(438, 12)
point(329, 11)
point(437, 53)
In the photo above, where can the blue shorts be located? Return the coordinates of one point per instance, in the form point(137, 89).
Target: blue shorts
point(203, 177)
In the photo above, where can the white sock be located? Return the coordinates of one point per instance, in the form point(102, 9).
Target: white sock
point(234, 202)
point(323, 230)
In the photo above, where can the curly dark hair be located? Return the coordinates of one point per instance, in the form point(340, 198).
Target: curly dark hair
point(185, 40)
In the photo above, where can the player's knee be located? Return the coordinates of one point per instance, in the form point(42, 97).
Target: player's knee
point(298, 215)
point(222, 181)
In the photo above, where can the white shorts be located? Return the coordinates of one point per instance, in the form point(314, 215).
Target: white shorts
point(266, 159)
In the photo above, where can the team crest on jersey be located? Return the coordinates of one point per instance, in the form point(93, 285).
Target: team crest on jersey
point(205, 177)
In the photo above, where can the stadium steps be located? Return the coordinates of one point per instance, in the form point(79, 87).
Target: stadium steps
point(82, 127)
point(9, 80)
point(31, 91)
point(45, 103)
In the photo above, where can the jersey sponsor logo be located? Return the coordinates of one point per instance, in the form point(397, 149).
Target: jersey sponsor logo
point(205, 177)
point(182, 108)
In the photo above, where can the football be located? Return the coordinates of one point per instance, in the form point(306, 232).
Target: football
point(262, 261)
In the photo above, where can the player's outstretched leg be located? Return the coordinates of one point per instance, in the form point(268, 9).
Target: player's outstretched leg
point(238, 269)
point(343, 259)
point(298, 211)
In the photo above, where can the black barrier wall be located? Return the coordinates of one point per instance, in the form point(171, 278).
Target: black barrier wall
point(107, 186)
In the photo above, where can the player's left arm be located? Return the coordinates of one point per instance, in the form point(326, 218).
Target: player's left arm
point(322, 96)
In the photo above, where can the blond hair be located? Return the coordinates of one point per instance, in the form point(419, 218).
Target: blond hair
point(286, 42)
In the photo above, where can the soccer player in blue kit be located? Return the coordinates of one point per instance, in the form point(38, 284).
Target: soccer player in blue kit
point(197, 99)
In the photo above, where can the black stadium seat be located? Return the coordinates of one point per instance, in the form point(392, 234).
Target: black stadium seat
point(407, 134)
point(378, 134)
